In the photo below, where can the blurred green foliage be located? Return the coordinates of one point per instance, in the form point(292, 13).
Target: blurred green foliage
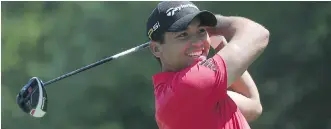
point(48, 39)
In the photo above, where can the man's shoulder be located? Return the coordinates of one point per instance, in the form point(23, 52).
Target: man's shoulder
point(162, 78)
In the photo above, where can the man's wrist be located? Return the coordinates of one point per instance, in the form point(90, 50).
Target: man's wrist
point(223, 27)
point(223, 22)
point(228, 26)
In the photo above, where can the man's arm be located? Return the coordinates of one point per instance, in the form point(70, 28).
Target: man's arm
point(247, 40)
point(246, 97)
point(244, 91)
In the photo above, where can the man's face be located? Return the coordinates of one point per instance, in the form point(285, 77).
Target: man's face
point(181, 49)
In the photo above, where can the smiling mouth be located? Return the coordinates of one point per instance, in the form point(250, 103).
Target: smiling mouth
point(196, 51)
point(195, 54)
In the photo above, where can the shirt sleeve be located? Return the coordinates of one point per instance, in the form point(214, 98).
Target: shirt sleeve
point(206, 80)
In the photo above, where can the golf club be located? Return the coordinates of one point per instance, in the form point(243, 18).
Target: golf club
point(32, 98)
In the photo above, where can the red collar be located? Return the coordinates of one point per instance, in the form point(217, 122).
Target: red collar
point(163, 77)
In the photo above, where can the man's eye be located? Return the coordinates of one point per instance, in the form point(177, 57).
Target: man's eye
point(182, 35)
point(202, 31)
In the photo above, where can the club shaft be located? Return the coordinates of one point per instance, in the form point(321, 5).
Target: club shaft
point(134, 49)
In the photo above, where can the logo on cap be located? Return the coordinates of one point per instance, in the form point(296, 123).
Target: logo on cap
point(172, 11)
point(154, 28)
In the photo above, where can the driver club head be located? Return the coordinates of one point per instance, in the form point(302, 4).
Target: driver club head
point(32, 98)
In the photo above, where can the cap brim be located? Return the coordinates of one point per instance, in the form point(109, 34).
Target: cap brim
point(206, 19)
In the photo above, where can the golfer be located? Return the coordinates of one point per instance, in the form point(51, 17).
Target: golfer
point(196, 92)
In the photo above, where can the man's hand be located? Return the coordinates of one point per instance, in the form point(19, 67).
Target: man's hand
point(217, 42)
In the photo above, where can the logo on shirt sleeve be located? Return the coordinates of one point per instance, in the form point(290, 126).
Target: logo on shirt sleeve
point(209, 63)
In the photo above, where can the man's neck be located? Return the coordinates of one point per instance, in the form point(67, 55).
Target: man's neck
point(168, 68)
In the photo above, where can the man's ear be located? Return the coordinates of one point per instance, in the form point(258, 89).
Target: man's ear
point(155, 48)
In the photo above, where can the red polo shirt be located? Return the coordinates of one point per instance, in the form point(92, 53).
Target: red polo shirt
point(196, 98)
